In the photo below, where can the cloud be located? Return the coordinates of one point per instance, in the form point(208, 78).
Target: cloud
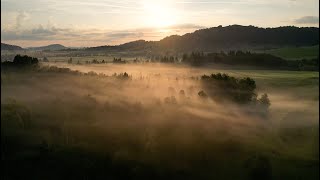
point(186, 26)
point(41, 31)
point(124, 34)
point(54, 33)
point(95, 37)
point(34, 34)
point(307, 20)
point(21, 17)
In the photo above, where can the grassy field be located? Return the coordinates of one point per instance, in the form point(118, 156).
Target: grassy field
point(82, 60)
point(102, 127)
point(294, 53)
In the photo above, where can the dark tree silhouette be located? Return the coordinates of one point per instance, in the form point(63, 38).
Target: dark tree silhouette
point(223, 86)
point(264, 100)
point(119, 60)
point(20, 61)
point(70, 61)
point(202, 94)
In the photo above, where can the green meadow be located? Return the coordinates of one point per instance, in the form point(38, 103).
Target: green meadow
point(294, 53)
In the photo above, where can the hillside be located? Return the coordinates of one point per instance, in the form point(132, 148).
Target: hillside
point(242, 37)
point(130, 46)
point(52, 47)
point(10, 47)
point(227, 38)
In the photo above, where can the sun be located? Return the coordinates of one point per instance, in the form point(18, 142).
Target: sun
point(159, 13)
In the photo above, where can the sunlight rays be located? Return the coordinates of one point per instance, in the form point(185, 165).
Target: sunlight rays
point(159, 13)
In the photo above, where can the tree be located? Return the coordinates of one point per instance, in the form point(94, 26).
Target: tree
point(184, 57)
point(223, 86)
point(119, 60)
point(182, 93)
point(170, 100)
point(202, 94)
point(70, 61)
point(264, 100)
point(24, 60)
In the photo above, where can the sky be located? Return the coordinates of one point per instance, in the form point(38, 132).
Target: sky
point(84, 23)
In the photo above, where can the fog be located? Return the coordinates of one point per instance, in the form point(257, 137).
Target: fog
point(152, 81)
point(145, 118)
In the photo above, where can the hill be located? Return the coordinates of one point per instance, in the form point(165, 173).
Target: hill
point(234, 37)
point(242, 37)
point(10, 47)
point(130, 46)
point(52, 47)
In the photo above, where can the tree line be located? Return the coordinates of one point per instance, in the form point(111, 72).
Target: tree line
point(250, 59)
point(20, 61)
point(221, 87)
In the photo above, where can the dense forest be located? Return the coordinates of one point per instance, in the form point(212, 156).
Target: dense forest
point(242, 37)
point(225, 38)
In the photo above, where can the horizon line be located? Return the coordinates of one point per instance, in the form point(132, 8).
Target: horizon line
point(166, 36)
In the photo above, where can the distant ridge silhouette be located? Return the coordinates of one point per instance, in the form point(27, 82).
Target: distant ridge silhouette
point(224, 38)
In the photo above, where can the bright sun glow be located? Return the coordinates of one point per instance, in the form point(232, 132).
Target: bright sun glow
point(159, 13)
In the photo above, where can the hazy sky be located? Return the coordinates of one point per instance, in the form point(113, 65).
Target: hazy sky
point(100, 22)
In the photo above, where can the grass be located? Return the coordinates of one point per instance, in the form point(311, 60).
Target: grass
point(293, 53)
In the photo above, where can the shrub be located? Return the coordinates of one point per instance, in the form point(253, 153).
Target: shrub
point(182, 93)
point(202, 94)
point(170, 100)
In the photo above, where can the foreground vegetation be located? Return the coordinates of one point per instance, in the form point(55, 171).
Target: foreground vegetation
point(58, 123)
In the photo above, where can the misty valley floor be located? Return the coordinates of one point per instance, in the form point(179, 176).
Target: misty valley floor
point(57, 125)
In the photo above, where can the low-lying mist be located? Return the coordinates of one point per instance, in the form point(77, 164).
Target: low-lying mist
point(155, 116)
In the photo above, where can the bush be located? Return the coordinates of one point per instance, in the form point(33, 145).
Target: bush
point(182, 93)
point(170, 100)
point(202, 94)
point(120, 61)
point(124, 75)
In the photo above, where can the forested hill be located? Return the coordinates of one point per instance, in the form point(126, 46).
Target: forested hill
point(239, 37)
point(51, 47)
point(10, 47)
point(227, 38)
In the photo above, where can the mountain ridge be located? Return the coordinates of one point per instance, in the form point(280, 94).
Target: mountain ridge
point(51, 47)
point(232, 37)
point(10, 47)
point(226, 38)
